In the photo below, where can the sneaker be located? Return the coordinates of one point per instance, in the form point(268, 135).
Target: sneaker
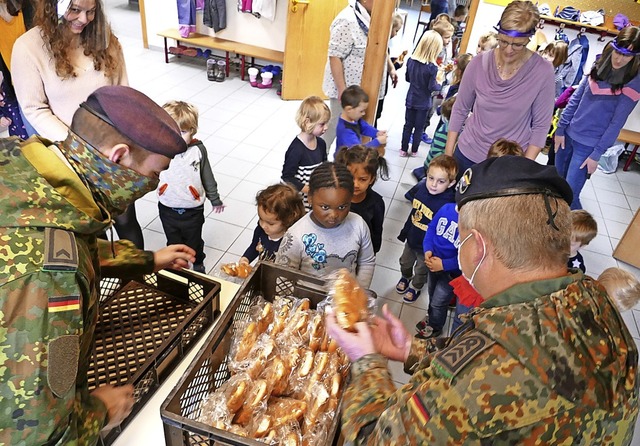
point(414, 154)
point(402, 286)
point(411, 295)
point(423, 323)
point(428, 332)
point(425, 138)
point(199, 268)
point(403, 154)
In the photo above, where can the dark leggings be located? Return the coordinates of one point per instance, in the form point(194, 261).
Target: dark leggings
point(128, 228)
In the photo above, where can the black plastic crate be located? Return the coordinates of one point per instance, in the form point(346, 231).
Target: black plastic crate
point(145, 327)
point(181, 410)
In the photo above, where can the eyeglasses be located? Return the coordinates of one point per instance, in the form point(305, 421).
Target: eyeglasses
point(503, 44)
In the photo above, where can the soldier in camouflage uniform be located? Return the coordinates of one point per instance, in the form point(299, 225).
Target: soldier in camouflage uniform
point(55, 199)
point(546, 359)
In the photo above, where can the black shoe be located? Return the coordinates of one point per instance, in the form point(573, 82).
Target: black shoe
point(427, 333)
point(199, 268)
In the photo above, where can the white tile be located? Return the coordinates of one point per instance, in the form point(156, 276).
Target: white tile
point(146, 211)
point(246, 192)
point(630, 189)
point(389, 255)
point(596, 262)
point(612, 198)
point(236, 212)
point(240, 245)
point(234, 132)
point(385, 188)
point(631, 176)
point(218, 234)
point(212, 256)
point(269, 175)
point(154, 240)
point(591, 205)
point(602, 227)
point(234, 167)
point(399, 210)
point(599, 244)
point(634, 203)
point(218, 147)
point(384, 284)
point(615, 229)
point(401, 190)
point(394, 306)
point(391, 229)
point(616, 213)
point(606, 182)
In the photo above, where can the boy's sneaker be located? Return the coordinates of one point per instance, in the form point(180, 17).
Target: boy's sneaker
point(428, 332)
point(199, 268)
point(423, 323)
point(425, 138)
point(402, 286)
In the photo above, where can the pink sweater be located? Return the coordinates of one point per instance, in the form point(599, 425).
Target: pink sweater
point(47, 100)
point(518, 109)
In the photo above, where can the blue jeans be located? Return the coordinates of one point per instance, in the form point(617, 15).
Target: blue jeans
point(463, 162)
point(460, 309)
point(440, 294)
point(568, 162)
point(413, 123)
point(412, 266)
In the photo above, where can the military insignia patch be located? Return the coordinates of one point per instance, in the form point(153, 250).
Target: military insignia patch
point(60, 250)
point(453, 359)
point(419, 410)
point(465, 181)
point(64, 303)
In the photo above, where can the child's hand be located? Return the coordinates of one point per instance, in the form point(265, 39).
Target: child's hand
point(435, 264)
point(219, 209)
point(4, 122)
point(305, 189)
point(382, 139)
point(243, 260)
point(427, 257)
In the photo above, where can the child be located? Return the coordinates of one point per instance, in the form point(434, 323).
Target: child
point(351, 127)
point(557, 53)
point(460, 23)
point(184, 185)
point(422, 75)
point(279, 207)
point(487, 42)
point(440, 247)
point(461, 63)
point(307, 150)
point(583, 229)
point(504, 147)
point(429, 195)
point(329, 237)
point(439, 139)
point(364, 164)
point(622, 287)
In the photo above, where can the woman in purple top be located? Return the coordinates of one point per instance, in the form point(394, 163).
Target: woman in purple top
point(510, 91)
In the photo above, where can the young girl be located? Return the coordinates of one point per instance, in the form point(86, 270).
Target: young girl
point(329, 237)
point(307, 151)
point(279, 206)
point(364, 164)
point(423, 77)
point(460, 65)
point(557, 53)
point(597, 110)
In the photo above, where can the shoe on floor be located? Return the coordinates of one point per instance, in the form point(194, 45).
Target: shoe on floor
point(402, 286)
point(428, 332)
point(414, 154)
point(424, 323)
point(411, 295)
point(199, 268)
point(403, 154)
point(425, 139)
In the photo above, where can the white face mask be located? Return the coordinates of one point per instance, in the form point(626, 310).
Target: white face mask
point(484, 254)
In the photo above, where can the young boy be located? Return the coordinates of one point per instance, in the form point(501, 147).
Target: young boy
point(460, 23)
point(622, 287)
point(428, 196)
point(184, 185)
point(583, 229)
point(440, 247)
point(487, 42)
point(439, 139)
point(504, 147)
point(351, 127)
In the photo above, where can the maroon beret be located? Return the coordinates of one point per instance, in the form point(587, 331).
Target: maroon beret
point(138, 118)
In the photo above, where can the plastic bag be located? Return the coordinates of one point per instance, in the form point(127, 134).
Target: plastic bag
point(609, 161)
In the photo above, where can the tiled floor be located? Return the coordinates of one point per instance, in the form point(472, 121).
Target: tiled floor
point(247, 131)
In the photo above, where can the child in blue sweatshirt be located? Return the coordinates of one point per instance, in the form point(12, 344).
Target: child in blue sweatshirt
point(351, 125)
point(440, 247)
point(428, 196)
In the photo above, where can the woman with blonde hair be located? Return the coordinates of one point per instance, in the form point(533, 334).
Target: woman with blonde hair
point(510, 90)
point(57, 64)
point(424, 78)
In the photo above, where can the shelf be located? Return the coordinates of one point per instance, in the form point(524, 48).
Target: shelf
point(605, 29)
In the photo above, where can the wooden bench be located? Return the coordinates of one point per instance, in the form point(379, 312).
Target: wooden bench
point(630, 137)
point(228, 46)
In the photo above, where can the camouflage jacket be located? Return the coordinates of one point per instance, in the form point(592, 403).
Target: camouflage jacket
point(548, 362)
point(49, 273)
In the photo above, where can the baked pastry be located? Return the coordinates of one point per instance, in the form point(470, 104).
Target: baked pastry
point(246, 341)
point(285, 410)
point(316, 333)
point(265, 318)
point(236, 390)
point(241, 270)
point(349, 301)
point(253, 401)
point(318, 402)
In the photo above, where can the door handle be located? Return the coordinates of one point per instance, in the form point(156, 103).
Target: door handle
point(295, 3)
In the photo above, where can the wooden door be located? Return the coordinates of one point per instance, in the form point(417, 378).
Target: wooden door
point(305, 52)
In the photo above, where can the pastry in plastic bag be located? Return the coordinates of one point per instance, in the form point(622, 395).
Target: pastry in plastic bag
point(241, 270)
point(349, 300)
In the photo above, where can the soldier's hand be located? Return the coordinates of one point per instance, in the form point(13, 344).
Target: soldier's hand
point(391, 339)
point(173, 256)
point(118, 401)
point(355, 345)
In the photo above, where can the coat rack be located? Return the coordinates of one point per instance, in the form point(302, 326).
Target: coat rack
point(581, 27)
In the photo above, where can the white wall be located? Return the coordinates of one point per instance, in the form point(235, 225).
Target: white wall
point(241, 27)
point(488, 16)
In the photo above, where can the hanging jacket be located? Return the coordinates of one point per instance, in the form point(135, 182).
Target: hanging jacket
point(578, 52)
point(215, 14)
point(186, 17)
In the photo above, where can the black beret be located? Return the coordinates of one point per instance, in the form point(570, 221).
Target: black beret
point(510, 175)
point(138, 118)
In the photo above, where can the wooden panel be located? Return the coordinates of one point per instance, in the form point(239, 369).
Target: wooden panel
point(306, 46)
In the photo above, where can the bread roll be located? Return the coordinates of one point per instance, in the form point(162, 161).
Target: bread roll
point(265, 318)
point(317, 332)
point(349, 300)
point(246, 341)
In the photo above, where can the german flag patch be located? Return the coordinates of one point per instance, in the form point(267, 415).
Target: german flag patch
point(64, 303)
point(419, 410)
